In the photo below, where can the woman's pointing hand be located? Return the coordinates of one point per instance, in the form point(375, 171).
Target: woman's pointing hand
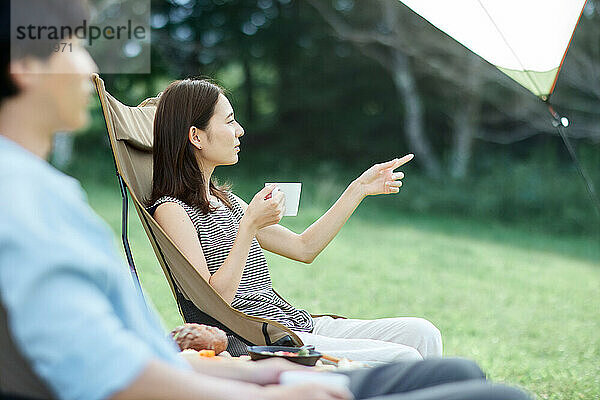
point(381, 178)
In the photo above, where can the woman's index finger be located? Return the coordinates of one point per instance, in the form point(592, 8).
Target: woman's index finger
point(395, 163)
point(405, 159)
point(387, 164)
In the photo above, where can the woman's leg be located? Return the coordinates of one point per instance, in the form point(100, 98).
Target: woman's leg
point(447, 379)
point(365, 350)
point(417, 333)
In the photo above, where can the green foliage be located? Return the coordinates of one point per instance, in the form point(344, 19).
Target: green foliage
point(526, 192)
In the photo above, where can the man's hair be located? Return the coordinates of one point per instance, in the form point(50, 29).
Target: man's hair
point(37, 13)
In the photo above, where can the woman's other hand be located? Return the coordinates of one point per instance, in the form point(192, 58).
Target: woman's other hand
point(263, 211)
point(381, 178)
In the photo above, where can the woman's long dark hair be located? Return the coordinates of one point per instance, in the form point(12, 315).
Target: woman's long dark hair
point(185, 103)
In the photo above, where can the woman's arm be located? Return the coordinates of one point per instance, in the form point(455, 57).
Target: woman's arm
point(305, 247)
point(178, 225)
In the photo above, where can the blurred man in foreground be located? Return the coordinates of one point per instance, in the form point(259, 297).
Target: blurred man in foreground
point(72, 325)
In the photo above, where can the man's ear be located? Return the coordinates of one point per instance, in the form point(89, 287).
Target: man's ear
point(196, 137)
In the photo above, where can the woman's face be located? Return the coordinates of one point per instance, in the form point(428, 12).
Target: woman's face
point(220, 143)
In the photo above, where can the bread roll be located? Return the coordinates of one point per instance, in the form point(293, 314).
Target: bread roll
point(200, 337)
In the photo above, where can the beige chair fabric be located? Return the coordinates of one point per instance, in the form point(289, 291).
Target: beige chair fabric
point(130, 133)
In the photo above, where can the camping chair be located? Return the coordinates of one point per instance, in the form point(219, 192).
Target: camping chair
point(130, 134)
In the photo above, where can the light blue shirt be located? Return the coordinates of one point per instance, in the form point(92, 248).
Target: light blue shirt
point(72, 307)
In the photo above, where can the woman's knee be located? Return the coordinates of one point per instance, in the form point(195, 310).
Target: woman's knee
point(426, 329)
point(406, 353)
point(429, 335)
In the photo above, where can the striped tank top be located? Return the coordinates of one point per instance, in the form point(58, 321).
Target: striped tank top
point(255, 296)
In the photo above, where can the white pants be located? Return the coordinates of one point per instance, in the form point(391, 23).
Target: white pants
point(375, 341)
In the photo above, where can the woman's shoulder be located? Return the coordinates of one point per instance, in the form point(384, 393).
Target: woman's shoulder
point(166, 200)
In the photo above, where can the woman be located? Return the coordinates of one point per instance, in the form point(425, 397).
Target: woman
point(223, 237)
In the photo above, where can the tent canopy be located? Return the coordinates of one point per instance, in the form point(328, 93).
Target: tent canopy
point(525, 39)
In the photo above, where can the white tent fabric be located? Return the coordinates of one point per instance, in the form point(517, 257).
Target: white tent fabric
point(526, 39)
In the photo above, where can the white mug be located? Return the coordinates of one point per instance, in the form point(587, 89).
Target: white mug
point(291, 191)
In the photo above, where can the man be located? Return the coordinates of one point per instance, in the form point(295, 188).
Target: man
point(72, 325)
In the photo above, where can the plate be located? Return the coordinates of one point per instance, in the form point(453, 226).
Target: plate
point(310, 359)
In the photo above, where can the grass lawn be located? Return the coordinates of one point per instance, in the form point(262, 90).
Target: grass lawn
point(523, 304)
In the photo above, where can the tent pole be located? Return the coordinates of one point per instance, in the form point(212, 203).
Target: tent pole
point(560, 123)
